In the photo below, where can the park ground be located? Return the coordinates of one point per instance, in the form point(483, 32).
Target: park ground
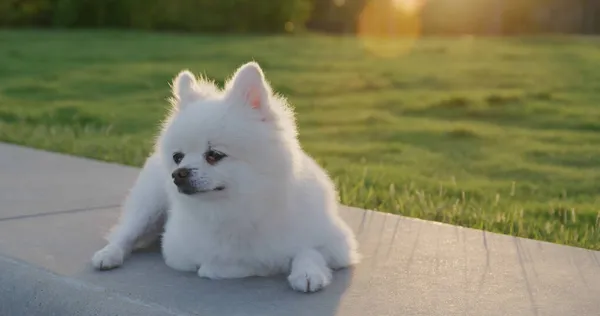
point(501, 134)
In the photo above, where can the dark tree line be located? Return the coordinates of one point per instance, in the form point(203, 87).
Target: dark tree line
point(335, 16)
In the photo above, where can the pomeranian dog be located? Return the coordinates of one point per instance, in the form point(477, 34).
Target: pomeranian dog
point(231, 191)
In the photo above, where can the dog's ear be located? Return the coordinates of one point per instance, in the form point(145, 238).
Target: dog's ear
point(249, 87)
point(187, 89)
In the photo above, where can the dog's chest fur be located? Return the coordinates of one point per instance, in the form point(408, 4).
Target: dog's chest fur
point(210, 237)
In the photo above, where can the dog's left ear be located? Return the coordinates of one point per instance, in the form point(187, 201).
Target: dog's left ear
point(249, 87)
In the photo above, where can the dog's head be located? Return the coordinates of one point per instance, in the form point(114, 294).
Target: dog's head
point(221, 142)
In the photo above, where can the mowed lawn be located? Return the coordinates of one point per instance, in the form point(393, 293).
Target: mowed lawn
point(496, 134)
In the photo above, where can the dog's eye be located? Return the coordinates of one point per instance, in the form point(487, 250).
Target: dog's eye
point(178, 157)
point(213, 156)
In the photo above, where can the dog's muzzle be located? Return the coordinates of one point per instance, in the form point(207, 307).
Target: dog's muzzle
point(182, 178)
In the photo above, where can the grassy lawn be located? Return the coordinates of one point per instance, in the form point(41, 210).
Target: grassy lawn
point(497, 134)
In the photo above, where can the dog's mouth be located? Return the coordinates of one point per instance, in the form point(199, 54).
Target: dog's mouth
point(187, 190)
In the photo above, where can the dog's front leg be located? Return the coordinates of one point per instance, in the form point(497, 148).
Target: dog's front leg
point(142, 218)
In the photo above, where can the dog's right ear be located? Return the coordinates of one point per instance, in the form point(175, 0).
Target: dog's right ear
point(187, 89)
point(184, 89)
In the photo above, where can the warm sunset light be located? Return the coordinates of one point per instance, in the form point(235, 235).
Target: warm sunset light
point(389, 28)
point(410, 6)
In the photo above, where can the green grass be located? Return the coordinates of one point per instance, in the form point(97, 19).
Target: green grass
point(497, 134)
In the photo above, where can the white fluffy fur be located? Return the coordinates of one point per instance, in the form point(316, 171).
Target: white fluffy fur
point(278, 212)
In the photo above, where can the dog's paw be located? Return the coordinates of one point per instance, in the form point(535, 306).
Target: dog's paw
point(309, 272)
point(309, 279)
point(109, 257)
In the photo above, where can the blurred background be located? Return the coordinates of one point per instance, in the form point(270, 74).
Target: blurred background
point(481, 113)
point(336, 16)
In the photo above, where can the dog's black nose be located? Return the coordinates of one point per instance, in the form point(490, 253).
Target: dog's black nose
point(180, 173)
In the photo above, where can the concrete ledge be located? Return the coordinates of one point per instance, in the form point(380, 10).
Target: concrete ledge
point(411, 267)
point(29, 290)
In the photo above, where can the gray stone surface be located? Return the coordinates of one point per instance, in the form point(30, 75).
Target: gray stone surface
point(54, 211)
point(32, 183)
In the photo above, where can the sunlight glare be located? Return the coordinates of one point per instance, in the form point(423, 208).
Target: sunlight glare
point(390, 28)
point(410, 6)
point(339, 3)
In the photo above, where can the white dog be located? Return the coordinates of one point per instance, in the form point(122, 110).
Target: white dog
point(243, 198)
